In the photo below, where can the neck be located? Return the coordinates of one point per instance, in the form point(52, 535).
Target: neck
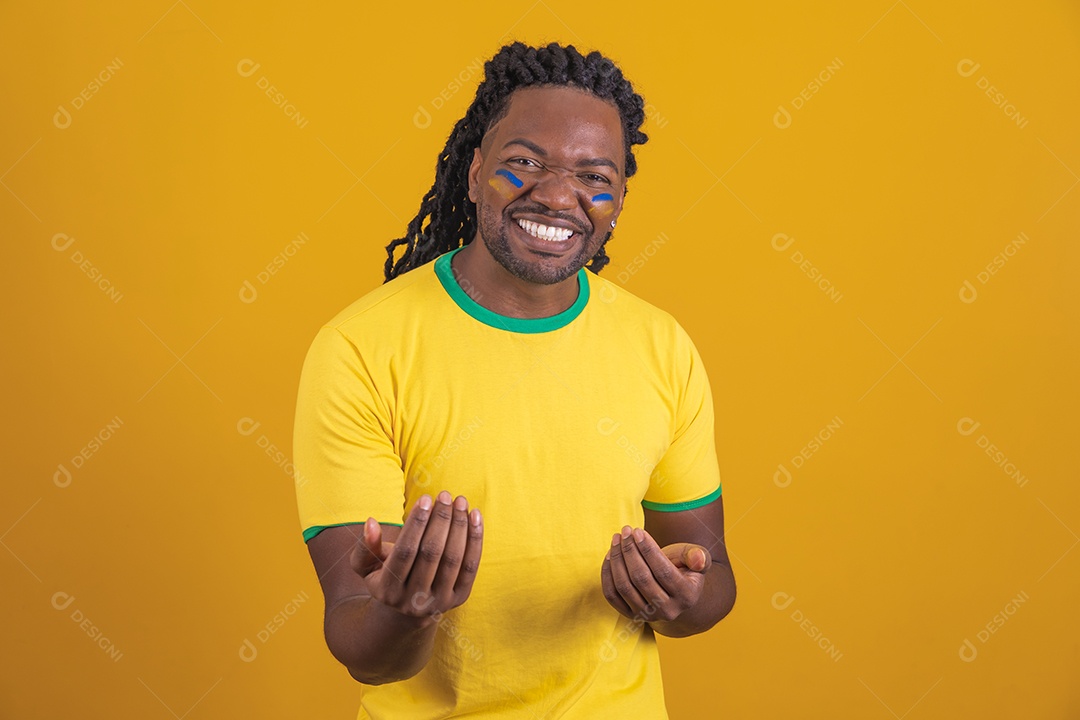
point(494, 287)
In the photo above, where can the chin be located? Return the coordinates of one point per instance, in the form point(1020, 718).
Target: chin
point(522, 255)
point(522, 262)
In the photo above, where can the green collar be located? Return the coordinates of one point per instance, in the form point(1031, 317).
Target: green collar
point(502, 322)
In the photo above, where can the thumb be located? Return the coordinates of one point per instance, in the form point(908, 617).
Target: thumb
point(368, 554)
point(689, 556)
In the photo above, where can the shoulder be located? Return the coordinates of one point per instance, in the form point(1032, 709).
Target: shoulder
point(372, 327)
point(635, 314)
point(389, 298)
point(388, 303)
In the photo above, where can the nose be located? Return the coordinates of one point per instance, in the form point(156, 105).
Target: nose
point(555, 190)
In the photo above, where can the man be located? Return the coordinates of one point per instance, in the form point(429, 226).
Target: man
point(531, 446)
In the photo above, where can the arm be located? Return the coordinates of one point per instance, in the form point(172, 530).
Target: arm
point(385, 586)
point(374, 645)
point(675, 574)
point(702, 527)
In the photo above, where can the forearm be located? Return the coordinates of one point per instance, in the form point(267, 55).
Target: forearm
point(376, 643)
point(717, 599)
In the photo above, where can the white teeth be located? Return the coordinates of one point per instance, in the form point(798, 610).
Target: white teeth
point(545, 232)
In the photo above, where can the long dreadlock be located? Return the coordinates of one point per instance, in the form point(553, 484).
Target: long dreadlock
point(450, 215)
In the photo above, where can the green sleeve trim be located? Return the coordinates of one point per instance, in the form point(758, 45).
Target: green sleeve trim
point(688, 505)
point(316, 529)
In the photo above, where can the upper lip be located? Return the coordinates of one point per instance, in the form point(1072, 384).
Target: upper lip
point(550, 222)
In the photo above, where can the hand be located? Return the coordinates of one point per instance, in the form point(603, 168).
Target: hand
point(642, 580)
point(432, 565)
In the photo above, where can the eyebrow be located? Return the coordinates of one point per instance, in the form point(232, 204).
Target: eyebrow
point(584, 162)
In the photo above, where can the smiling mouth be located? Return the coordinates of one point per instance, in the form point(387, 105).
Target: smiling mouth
point(549, 233)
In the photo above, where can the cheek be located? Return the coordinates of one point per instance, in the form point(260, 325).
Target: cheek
point(505, 183)
point(603, 206)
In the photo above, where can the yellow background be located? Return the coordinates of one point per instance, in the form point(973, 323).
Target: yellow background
point(179, 180)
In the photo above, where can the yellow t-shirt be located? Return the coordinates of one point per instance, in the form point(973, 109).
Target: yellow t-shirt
point(559, 429)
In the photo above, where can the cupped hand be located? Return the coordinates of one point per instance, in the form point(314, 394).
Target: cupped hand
point(642, 580)
point(431, 566)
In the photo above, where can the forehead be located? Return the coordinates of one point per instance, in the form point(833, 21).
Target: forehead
point(562, 120)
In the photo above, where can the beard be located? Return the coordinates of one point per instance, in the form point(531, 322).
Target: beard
point(541, 270)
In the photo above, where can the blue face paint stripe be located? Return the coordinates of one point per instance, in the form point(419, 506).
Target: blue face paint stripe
point(602, 196)
point(510, 176)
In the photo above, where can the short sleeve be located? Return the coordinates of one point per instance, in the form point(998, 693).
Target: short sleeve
point(688, 474)
point(343, 451)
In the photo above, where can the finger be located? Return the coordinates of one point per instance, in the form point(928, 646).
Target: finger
point(607, 583)
point(470, 562)
point(431, 546)
point(367, 555)
point(456, 540)
point(621, 578)
point(372, 537)
point(405, 547)
point(663, 570)
point(640, 572)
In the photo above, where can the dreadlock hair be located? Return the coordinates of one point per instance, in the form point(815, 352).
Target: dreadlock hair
point(449, 214)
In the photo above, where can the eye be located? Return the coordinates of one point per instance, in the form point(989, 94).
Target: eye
point(595, 179)
point(523, 162)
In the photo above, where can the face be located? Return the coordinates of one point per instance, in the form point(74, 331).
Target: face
point(547, 181)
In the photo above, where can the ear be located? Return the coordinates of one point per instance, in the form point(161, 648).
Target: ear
point(474, 174)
